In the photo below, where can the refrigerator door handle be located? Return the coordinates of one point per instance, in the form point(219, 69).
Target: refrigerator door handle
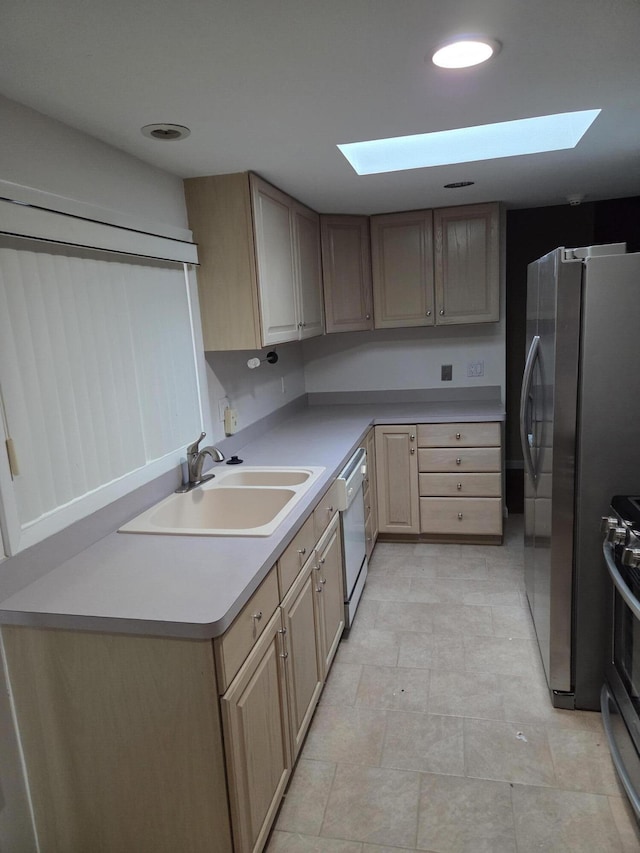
point(526, 400)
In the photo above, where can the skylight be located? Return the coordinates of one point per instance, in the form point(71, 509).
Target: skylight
point(469, 144)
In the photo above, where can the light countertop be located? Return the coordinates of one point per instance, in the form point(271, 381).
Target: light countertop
point(194, 586)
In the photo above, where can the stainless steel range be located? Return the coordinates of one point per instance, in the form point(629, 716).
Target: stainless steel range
point(620, 698)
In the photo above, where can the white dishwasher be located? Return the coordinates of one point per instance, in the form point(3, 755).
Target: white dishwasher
point(351, 506)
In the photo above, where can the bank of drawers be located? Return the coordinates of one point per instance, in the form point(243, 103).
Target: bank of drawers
point(460, 479)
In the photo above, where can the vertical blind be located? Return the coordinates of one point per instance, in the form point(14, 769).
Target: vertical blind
point(97, 368)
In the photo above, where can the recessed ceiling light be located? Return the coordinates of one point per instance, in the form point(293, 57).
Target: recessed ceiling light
point(465, 52)
point(469, 144)
point(165, 132)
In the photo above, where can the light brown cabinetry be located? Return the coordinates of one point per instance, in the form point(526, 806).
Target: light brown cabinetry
point(460, 480)
point(259, 279)
point(346, 273)
point(330, 590)
point(402, 269)
point(370, 494)
point(466, 241)
point(439, 267)
point(255, 716)
point(122, 741)
point(397, 479)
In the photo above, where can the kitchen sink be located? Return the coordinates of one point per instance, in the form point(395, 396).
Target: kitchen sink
point(251, 502)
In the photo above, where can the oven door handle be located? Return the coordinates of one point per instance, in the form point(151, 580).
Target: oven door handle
point(627, 784)
point(629, 599)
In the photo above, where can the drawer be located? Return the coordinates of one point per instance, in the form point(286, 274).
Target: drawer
point(460, 485)
point(232, 648)
point(324, 511)
point(295, 556)
point(459, 435)
point(464, 516)
point(452, 459)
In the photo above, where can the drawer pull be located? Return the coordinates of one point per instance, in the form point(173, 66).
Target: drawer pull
point(458, 461)
point(413, 450)
point(459, 486)
point(459, 516)
point(323, 581)
point(258, 616)
point(330, 509)
point(458, 436)
point(302, 551)
point(322, 561)
point(412, 437)
point(318, 589)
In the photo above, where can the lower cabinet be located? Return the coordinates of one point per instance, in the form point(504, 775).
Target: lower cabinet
point(397, 479)
point(129, 745)
point(370, 494)
point(255, 715)
point(440, 481)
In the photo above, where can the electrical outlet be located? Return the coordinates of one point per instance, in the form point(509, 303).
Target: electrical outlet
point(475, 368)
point(446, 372)
point(230, 421)
point(223, 405)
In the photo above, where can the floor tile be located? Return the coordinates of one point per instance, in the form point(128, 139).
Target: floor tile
point(460, 815)
point(429, 743)
point(304, 803)
point(508, 752)
point(526, 699)
point(462, 619)
point(431, 651)
point(502, 656)
point(341, 687)
point(401, 616)
point(373, 804)
point(626, 824)
point(512, 621)
point(288, 842)
point(388, 587)
point(465, 694)
point(582, 761)
point(365, 645)
point(401, 688)
point(353, 735)
point(466, 566)
point(563, 822)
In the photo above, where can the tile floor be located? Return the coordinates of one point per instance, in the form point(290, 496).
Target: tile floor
point(435, 731)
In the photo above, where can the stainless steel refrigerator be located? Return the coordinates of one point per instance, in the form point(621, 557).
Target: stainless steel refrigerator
point(580, 432)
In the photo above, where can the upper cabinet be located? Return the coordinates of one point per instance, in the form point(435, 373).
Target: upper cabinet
point(436, 268)
point(259, 280)
point(346, 271)
point(467, 263)
point(402, 268)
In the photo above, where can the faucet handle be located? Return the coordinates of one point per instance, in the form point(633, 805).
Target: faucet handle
point(192, 449)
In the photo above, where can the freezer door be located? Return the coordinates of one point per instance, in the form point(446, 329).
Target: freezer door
point(551, 413)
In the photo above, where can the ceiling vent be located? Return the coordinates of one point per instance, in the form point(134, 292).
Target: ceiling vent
point(165, 132)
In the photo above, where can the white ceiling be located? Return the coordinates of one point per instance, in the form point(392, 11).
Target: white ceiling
point(274, 85)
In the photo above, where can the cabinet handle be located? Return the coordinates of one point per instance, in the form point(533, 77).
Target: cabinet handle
point(368, 317)
point(302, 551)
point(330, 509)
point(322, 561)
point(458, 461)
point(429, 313)
point(441, 312)
point(459, 516)
point(459, 487)
point(458, 436)
point(318, 589)
point(412, 437)
point(258, 616)
point(413, 450)
point(323, 581)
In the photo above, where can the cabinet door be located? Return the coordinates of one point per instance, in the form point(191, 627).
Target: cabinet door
point(397, 479)
point(330, 591)
point(402, 269)
point(372, 506)
point(467, 271)
point(256, 735)
point(301, 619)
point(346, 273)
point(272, 222)
point(306, 225)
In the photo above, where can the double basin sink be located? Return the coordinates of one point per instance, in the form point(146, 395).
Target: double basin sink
point(248, 502)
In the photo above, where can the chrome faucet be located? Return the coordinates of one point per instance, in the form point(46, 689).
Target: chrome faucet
point(195, 461)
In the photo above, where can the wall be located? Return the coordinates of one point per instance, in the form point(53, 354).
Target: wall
point(404, 358)
point(253, 393)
